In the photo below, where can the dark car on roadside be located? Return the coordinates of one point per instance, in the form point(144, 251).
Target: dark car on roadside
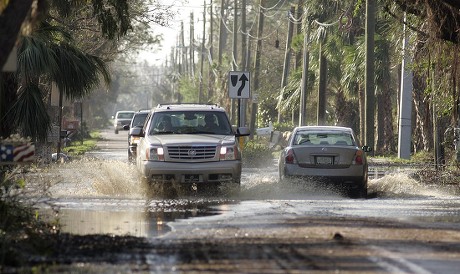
point(137, 122)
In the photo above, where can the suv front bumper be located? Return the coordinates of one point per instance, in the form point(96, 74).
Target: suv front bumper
point(203, 172)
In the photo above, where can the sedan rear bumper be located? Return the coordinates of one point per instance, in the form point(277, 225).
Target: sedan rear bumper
point(354, 174)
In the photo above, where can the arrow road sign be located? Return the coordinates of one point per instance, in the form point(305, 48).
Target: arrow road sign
point(238, 84)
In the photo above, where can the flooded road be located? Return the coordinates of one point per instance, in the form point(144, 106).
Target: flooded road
point(404, 226)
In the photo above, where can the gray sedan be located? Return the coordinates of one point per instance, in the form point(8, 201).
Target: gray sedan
point(326, 155)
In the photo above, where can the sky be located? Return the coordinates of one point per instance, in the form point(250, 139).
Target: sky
point(183, 8)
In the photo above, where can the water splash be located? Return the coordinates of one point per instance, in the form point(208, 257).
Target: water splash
point(92, 178)
point(402, 185)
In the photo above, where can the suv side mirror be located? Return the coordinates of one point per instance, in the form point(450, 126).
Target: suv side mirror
point(126, 127)
point(242, 131)
point(136, 131)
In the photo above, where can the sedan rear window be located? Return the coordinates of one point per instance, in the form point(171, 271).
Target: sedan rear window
point(323, 138)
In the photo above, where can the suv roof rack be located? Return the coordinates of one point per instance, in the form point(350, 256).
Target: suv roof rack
point(168, 105)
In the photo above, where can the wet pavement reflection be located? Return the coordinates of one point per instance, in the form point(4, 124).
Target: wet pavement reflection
point(132, 217)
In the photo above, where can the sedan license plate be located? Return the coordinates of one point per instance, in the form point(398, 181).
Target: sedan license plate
point(324, 160)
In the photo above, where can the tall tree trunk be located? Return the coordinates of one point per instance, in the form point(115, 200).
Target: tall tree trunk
point(385, 132)
point(423, 123)
point(423, 126)
point(380, 124)
point(389, 134)
point(8, 87)
point(362, 121)
point(11, 21)
point(345, 111)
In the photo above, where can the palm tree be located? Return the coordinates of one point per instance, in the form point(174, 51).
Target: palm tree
point(46, 57)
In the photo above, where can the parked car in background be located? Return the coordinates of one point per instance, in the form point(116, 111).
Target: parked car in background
point(122, 118)
point(137, 122)
point(189, 145)
point(328, 155)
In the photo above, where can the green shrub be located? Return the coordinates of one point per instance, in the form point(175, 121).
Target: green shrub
point(76, 147)
point(286, 126)
point(257, 153)
point(21, 231)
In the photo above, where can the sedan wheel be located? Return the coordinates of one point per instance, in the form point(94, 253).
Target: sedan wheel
point(358, 192)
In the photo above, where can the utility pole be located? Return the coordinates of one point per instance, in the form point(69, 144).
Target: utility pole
point(211, 54)
point(234, 54)
point(243, 33)
point(235, 36)
point(182, 48)
point(222, 31)
point(200, 96)
point(405, 105)
point(242, 102)
point(287, 59)
point(192, 47)
point(321, 108)
point(369, 99)
point(260, 28)
point(298, 54)
point(305, 67)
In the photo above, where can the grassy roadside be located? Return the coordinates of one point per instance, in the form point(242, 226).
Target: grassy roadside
point(78, 148)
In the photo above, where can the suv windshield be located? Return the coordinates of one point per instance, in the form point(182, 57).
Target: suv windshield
point(190, 122)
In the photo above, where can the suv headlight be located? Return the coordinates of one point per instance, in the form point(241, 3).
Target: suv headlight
point(229, 153)
point(155, 154)
point(134, 140)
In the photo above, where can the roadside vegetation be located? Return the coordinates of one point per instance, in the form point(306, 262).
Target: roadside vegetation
point(81, 144)
point(22, 232)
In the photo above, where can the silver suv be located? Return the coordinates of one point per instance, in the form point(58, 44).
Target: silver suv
point(189, 145)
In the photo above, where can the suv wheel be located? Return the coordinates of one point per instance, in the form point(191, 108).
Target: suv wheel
point(130, 157)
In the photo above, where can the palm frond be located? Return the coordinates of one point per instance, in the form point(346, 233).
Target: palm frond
point(30, 115)
point(35, 59)
point(52, 33)
point(77, 73)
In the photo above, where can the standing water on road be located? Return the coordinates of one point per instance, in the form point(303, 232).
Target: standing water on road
point(98, 196)
point(102, 193)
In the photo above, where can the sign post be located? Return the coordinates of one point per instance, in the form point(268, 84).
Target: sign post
point(239, 88)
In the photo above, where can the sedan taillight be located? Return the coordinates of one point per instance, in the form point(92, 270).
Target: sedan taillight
point(290, 157)
point(359, 158)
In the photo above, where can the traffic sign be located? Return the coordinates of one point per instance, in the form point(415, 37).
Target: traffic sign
point(238, 84)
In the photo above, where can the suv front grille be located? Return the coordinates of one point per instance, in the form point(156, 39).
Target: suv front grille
point(191, 152)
